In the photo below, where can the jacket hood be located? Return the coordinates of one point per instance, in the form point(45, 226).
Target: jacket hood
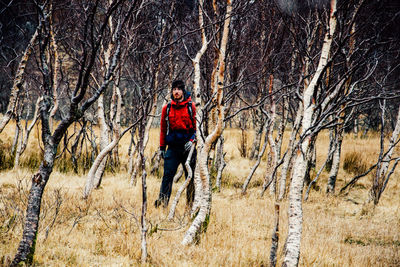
point(187, 98)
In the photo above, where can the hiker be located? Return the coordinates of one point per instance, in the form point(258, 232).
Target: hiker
point(178, 132)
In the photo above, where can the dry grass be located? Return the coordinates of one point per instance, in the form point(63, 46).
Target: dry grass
point(103, 231)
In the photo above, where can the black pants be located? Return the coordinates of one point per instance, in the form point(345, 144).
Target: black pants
point(173, 157)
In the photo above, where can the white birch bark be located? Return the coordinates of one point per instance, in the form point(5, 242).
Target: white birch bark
point(56, 83)
point(221, 165)
point(104, 129)
point(393, 139)
point(196, 88)
point(131, 153)
point(355, 127)
point(381, 179)
point(17, 134)
point(23, 143)
point(295, 221)
point(255, 148)
point(282, 127)
point(179, 174)
point(204, 175)
point(104, 138)
point(184, 185)
point(271, 141)
point(19, 80)
point(289, 154)
point(143, 232)
point(330, 189)
point(91, 178)
point(275, 237)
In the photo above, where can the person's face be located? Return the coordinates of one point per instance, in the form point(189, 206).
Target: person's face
point(178, 94)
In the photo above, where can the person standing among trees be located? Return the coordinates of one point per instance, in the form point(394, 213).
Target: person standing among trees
point(178, 132)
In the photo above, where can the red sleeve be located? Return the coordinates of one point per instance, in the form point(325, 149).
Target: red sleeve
point(194, 122)
point(163, 127)
point(194, 116)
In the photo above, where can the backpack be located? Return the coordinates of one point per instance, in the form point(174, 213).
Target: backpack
point(190, 111)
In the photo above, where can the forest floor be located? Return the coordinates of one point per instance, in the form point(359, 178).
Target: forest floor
point(340, 230)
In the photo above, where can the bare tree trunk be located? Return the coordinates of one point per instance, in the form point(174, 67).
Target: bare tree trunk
point(205, 198)
point(184, 185)
point(273, 149)
point(382, 176)
point(19, 79)
point(355, 127)
point(260, 154)
point(131, 152)
point(222, 163)
point(311, 159)
point(282, 127)
point(144, 210)
point(197, 91)
point(56, 83)
point(17, 134)
point(289, 154)
point(275, 238)
point(201, 184)
point(292, 253)
point(76, 147)
point(92, 179)
point(105, 131)
point(274, 158)
point(330, 189)
point(104, 140)
point(27, 245)
point(178, 174)
point(318, 174)
point(255, 148)
point(23, 143)
point(332, 146)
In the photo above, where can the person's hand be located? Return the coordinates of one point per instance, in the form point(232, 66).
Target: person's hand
point(162, 153)
point(188, 146)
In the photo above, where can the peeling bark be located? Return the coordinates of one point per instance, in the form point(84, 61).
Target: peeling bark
point(222, 163)
point(19, 79)
point(330, 189)
point(382, 177)
point(184, 185)
point(23, 143)
point(93, 175)
point(204, 196)
point(295, 222)
point(289, 154)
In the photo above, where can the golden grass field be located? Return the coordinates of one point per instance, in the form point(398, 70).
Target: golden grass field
point(103, 230)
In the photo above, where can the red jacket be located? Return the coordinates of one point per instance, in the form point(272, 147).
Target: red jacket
point(179, 120)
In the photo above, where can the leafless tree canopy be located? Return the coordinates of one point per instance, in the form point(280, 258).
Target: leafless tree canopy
point(272, 66)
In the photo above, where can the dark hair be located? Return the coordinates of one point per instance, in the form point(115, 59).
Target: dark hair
point(178, 84)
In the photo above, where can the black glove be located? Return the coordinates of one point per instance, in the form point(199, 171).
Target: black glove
point(162, 153)
point(188, 146)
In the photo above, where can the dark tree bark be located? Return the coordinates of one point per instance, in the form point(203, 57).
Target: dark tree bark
point(50, 140)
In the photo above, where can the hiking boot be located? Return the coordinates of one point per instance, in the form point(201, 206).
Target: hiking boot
point(157, 203)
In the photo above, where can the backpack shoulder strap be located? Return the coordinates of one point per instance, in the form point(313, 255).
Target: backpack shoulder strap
point(190, 110)
point(168, 109)
point(167, 115)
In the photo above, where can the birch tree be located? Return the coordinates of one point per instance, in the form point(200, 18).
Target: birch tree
point(383, 173)
point(19, 77)
point(202, 175)
point(292, 252)
point(78, 106)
